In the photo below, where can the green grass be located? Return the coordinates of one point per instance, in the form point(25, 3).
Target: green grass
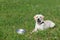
point(16, 14)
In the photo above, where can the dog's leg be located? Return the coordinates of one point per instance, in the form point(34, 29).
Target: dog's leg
point(35, 30)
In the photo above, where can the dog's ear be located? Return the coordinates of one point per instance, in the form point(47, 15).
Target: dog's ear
point(42, 16)
point(35, 17)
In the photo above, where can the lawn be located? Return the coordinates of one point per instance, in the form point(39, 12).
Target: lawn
point(16, 14)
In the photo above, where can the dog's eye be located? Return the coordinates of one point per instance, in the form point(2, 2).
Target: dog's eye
point(40, 17)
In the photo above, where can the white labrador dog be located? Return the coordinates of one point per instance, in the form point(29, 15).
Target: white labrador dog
point(41, 24)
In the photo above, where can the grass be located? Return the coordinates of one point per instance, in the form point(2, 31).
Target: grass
point(16, 14)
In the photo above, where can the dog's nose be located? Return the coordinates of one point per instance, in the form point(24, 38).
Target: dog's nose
point(38, 18)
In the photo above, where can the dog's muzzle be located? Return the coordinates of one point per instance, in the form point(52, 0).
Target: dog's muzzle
point(38, 20)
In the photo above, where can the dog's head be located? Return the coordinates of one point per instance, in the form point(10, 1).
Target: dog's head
point(38, 18)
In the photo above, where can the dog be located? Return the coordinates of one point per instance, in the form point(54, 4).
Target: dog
point(41, 24)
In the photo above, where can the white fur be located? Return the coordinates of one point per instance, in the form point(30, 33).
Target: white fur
point(47, 24)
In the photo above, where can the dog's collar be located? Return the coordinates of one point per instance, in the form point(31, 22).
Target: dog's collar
point(41, 22)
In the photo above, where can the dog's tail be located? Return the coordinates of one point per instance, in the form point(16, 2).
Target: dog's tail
point(52, 25)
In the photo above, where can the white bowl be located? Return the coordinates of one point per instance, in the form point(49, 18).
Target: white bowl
point(20, 31)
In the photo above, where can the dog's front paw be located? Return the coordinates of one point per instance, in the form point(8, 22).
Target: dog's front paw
point(33, 31)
